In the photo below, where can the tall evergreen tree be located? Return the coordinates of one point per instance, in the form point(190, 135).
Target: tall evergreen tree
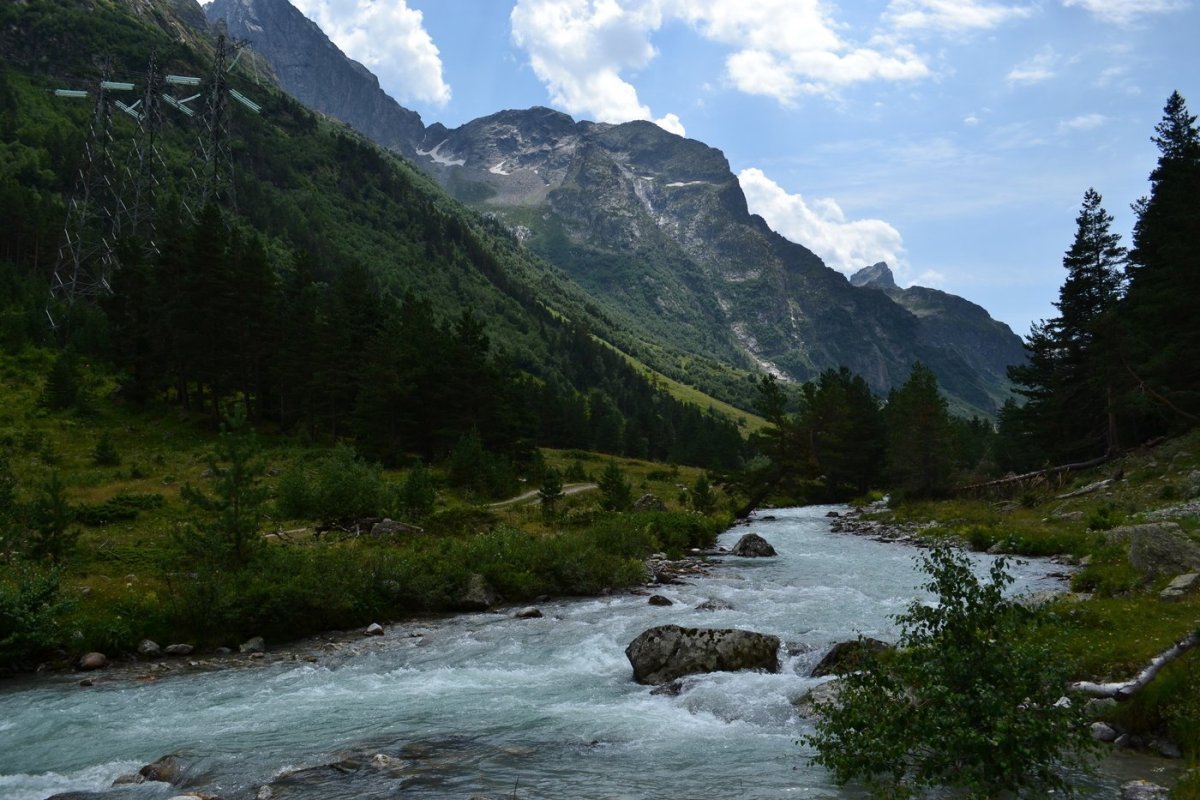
point(1164, 271)
point(1071, 380)
point(919, 451)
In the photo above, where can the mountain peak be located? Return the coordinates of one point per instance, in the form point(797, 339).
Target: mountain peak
point(876, 276)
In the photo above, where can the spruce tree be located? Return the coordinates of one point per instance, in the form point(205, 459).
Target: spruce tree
point(615, 492)
point(1071, 381)
point(1164, 272)
point(919, 453)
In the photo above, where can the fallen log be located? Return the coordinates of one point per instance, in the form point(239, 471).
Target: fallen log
point(1123, 690)
point(1032, 477)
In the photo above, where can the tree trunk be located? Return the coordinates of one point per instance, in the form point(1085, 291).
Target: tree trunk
point(1123, 690)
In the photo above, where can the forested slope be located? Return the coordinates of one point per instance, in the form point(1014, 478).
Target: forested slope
point(336, 290)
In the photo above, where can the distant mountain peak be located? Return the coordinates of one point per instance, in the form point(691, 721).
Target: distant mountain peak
point(876, 276)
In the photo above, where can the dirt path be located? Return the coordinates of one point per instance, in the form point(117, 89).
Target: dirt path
point(568, 488)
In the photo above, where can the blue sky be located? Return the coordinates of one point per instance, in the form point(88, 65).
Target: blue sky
point(953, 139)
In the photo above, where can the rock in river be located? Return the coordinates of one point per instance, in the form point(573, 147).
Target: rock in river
point(664, 653)
point(753, 546)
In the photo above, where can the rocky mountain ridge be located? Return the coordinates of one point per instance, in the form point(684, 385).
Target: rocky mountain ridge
point(657, 225)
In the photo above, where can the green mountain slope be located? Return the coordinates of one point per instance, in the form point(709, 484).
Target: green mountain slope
point(653, 225)
point(340, 234)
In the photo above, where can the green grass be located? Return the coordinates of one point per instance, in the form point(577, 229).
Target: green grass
point(746, 421)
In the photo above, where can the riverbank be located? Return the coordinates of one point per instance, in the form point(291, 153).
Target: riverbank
point(479, 703)
point(1124, 608)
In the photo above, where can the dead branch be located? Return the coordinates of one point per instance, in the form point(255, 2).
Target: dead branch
point(1123, 690)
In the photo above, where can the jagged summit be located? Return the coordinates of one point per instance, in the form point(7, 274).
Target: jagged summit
point(878, 275)
point(316, 72)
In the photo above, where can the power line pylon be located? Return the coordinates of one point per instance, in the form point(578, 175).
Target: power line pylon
point(216, 178)
point(145, 169)
point(86, 258)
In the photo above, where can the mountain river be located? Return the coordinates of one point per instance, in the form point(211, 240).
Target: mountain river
point(490, 705)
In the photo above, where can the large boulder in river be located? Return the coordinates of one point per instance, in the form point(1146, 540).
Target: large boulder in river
point(662, 654)
point(1160, 548)
point(92, 661)
point(753, 546)
point(478, 595)
point(848, 656)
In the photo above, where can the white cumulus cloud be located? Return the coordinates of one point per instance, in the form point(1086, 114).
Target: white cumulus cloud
point(820, 225)
point(1123, 12)
point(585, 50)
point(390, 39)
point(579, 48)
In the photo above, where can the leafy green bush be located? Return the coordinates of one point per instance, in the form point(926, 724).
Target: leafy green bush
point(340, 487)
point(967, 700)
point(980, 538)
point(52, 537)
point(32, 608)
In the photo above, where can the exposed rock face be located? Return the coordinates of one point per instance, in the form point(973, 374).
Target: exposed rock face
point(877, 276)
point(753, 546)
point(179, 649)
point(848, 656)
point(659, 600)
point(149, 648)
point(658, 225)
point(317, 73)
point(660, 655)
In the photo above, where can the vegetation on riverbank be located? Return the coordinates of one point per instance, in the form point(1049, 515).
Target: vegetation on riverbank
point(1114, 621)
point(119, 524)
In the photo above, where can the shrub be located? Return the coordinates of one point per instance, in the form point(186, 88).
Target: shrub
point(967, 701)
point(119, 508)
point(1104, 518)
point(52, 537)
point(31, 611)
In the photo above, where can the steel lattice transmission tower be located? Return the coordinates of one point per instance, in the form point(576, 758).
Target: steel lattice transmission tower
point(216, 179)
point(145, 168)
point(86, 258)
